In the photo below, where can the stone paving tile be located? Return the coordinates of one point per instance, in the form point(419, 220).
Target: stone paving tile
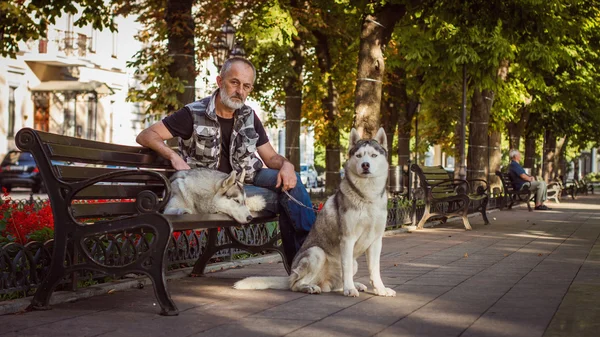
point(524, 273)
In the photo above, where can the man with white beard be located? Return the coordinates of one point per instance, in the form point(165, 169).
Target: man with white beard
point(220, 132)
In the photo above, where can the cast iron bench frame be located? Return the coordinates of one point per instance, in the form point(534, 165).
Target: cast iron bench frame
point(143, 180)
point(515, 196)
point(439, 188)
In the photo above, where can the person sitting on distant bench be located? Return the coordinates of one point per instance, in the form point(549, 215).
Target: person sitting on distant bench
point(520, 177)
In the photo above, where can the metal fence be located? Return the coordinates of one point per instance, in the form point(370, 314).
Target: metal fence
point(23, 267)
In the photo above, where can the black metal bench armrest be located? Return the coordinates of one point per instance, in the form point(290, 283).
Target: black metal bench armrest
point(146, 201)
point(480, 189)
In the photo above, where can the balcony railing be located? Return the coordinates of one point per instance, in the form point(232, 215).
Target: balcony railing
point(63, 42)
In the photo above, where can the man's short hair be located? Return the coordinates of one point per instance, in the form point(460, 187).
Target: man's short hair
point(513, 153)
point(230, 61)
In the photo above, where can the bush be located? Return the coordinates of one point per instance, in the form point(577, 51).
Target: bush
point(27, 222)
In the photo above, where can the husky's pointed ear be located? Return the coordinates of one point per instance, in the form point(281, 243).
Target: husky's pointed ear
point(354, 137)
point(381, 138)
point(242, 176)
point(229, 181)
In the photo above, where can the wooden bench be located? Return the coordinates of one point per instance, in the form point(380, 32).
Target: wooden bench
point(445, 196)
point(512, 194)
point(135, 182)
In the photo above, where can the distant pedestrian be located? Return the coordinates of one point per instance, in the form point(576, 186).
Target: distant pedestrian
point(520, 178)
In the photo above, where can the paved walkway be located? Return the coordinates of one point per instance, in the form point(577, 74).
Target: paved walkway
point(527, 274)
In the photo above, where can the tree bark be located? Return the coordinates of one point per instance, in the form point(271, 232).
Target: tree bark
point(375, 33)
point(389, 117)
point(530, 154)
point(477, 156)
point(561, 161)
point(495, 159)
point(549, 156)
point(330, 106)
point(293, 103)
point(180, 46)
point(516, 129)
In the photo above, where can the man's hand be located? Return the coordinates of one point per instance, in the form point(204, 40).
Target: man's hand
point(178, 163)
point(287, 176)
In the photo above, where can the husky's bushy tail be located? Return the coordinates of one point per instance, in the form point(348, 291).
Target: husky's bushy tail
point(264, 282)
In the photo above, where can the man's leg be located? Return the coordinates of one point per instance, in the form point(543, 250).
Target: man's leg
point(540, 188)
point(295, 221)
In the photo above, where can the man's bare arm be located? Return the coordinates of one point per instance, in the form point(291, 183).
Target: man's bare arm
point(287, 175)
point(154, 138)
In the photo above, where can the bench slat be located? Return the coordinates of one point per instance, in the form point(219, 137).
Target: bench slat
point(117, 191)
point(198, 221)
point(95, 156)
point(102, 210)
point(75, 173)
point(52, 138)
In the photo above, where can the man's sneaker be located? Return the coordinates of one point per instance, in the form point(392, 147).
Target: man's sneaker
point(542, 208)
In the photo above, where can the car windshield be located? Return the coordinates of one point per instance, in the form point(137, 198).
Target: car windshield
point(15, 156)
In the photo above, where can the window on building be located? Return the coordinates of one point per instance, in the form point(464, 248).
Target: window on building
point(11, 111)
point(92, 41)
point(115, 42)
point(91, 120)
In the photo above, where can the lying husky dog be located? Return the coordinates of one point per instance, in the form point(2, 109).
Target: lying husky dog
point(351, 223)
point(203, 190)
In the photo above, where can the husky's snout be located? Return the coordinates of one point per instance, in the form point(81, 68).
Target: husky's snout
point(249, 218)
point(366, 166)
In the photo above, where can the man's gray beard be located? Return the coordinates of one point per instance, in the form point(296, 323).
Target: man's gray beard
point(228, 102)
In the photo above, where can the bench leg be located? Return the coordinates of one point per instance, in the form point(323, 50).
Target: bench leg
point(209, 251)
point(484, 204)
point(157, 275)
point(424, 218)
point(41, 299)
point(465, 214)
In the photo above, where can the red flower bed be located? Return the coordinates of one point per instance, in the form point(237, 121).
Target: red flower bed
point(25, 222)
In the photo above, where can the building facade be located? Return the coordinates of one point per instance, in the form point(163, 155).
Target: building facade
point(74, 83)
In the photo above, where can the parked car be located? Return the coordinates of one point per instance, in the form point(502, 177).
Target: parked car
point(308, 175)
point(18, 169)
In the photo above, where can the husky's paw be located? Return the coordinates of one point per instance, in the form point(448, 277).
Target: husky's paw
point(387, 292)
point(256, 203)
point(360, 286)
point(310, 289)
point(177, 211)
point(352, 292)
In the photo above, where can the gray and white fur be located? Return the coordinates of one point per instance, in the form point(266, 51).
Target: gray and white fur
point(351, 223)
point(202, 190)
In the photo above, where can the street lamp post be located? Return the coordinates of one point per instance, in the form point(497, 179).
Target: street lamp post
point(225, 46)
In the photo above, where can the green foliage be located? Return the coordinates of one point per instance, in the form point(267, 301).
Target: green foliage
point(42, 235)
point(24, 20)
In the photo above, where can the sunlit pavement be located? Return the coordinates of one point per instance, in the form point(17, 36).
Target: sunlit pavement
point(526, 274)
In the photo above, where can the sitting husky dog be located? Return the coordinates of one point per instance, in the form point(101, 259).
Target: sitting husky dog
point(203, 190)
point(351, 223)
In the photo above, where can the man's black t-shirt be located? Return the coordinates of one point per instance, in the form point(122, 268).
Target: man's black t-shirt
point(226, 130)
point(181, 124)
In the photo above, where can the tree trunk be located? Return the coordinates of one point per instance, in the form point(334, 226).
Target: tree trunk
point(516, 129)
point(375, 32)
point(330, 106)
point(495, 159)
point(293, 103)
point(561, 161)
point(181, 48)
point(530, 154)
point(549, 156)
point(389, 116)
point(477, 156)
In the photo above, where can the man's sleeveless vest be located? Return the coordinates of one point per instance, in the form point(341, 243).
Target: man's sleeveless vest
point(203, 149)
